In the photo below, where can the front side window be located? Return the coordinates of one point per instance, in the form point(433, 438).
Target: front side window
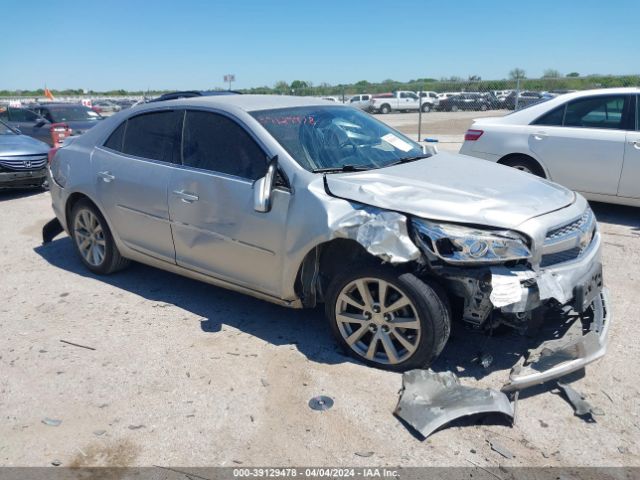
point(155, 136)
point(22, 115)
point(216, 143)
point(596, 112)
point(320, 137)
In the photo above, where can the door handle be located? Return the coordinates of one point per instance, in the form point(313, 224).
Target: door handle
point(186, 197)
point(106, 177)
point(635, 143)
point(540, 135)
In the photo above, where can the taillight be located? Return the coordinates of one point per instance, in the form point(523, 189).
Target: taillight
point(52, 153)
point(59, 131)
point(473, 135)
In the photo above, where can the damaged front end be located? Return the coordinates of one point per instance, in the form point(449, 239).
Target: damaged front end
point(506, 277)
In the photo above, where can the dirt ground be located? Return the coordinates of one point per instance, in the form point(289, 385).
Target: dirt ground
point(183, 373)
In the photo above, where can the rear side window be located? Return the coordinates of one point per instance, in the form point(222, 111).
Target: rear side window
point(115, 140)
point(596, 112)
point(216, 143)
point(155, 136)
point(553, 118)
point(22, 115)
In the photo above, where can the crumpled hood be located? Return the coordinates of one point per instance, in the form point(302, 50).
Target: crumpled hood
point(454, 188)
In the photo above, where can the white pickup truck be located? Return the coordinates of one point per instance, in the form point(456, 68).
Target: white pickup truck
point(399, 101)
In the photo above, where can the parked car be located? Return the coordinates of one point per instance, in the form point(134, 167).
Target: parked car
point(430, 100)
point(105, 106)
point(75, 117)
point(27, 122)
point(300, 201)
point(362, 101)
point(588, 141)
point(524, 99)
point(465, 101)
point(402, 101)
point(22, 159)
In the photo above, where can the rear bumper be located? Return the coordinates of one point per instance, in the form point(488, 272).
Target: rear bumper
point(29, 178)
point(572, 356)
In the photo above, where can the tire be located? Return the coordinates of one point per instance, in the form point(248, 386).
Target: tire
point(525, 164)
point(483, 108)
point(426, 108)
point(454, 108)
point(372, 336)
point(385, 109)
point(93, 240)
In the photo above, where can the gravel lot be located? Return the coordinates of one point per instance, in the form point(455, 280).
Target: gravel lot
point(183, 373)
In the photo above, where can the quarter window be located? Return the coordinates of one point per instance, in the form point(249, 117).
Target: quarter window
point(596, 112)
point(155, 136)
point(114, 142)
point(216, 143)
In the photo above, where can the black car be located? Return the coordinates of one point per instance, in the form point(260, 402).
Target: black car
point(465, 101)
point(525, 99)
point(27, 122)
point(77, 117)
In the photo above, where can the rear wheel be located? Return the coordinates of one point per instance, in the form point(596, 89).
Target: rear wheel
point(388, 319)
point(454, 108)
point(524, 164)
point(385, 109)
point(93, 240)
point(426, 108)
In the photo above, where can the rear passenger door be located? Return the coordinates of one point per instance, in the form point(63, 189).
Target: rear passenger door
point(582, 143)
point(132, 177)
point(215, 228)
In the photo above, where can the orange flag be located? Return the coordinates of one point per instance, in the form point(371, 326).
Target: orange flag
point(48, 94)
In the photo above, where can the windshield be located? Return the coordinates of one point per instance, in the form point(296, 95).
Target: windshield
point(75, 113)
point(324, 137)
point(6, 129)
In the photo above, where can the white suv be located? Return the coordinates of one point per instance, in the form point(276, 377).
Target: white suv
point(588, 141)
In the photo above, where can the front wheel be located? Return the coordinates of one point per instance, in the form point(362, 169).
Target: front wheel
point(426, 108)
point(388, 319)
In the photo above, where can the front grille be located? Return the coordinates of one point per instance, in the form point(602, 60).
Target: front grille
point(23, 162)
point(567, 242)
point(559, 257)
point(577, 226)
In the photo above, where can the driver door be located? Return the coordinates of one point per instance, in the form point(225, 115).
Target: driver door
point(216, 230)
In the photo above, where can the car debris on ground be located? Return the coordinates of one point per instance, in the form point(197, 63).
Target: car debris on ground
point(429, 400)
point(581, 407)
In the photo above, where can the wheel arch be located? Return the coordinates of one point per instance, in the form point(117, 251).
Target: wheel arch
point(530, 157)
point(327, 259)
point(73, 199)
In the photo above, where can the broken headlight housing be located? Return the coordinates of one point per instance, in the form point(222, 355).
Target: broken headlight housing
point(460, 244)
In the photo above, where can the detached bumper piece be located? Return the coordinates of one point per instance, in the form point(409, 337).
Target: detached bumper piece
point(555, 362)
point(430, 400)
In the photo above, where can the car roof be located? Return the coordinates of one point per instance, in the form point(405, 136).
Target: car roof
point(248, 103)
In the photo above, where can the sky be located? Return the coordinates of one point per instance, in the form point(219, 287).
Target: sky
point(192, 44)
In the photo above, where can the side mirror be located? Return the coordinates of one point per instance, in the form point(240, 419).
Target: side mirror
point(263, 187)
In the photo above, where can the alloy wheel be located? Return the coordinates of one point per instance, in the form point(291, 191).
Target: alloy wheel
point(89, 237)
point(378, 321)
